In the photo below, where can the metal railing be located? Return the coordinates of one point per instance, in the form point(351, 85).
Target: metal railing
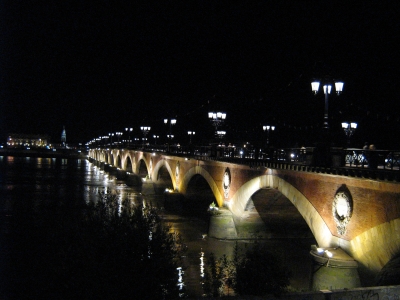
point(375, 164)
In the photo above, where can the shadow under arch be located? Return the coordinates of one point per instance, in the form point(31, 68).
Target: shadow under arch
point(317, 225)
point(142, 167)
point(157, 169)
point(197, 170)
point(128, 165)
point(119, 163)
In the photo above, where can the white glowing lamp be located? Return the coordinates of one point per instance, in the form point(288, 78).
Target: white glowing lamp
point(339, 87)
point(327, 89)
point(315, 86)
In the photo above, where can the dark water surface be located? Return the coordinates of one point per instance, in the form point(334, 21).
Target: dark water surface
point(56, 179)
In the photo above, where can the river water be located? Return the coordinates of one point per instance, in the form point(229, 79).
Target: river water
point(55, 178)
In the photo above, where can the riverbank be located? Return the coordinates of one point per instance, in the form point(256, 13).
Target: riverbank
point(44, 153)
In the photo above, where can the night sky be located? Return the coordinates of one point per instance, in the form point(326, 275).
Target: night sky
point(100, 66)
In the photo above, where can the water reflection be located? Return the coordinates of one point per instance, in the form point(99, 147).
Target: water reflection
point(67, 180)
point(202, 264)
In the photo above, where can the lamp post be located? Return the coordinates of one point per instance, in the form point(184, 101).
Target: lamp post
point(169, 136)
point(111, 135)
point(327, 87)
point(145, 130)
point(349, 129)
point(267, 128)
point(216, 118)
point(129, 130)
point(118, 134)
point(190, 133)
point(104, 138)
point(155, 138)
point(221, 133)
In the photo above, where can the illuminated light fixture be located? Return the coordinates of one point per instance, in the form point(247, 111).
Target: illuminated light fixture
point(267, 128)
point(216, 119)
point(327, 87)
point(349, 129)
point(169, 136)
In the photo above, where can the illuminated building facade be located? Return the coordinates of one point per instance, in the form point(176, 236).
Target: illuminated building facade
point(28, 140)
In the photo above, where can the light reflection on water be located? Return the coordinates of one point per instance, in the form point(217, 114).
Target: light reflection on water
point(67, 179)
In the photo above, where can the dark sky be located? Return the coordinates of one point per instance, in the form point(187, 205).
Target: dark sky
point(100, 66)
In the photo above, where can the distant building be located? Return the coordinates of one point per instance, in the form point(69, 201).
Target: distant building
point(18, 140)
point(64, 138)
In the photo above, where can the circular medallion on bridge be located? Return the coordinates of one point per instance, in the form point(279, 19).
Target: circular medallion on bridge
point(226, 183)
point(342, 210)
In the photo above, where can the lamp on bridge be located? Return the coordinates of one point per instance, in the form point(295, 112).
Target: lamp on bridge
point(145, 130)
point(220, 134)
point(111, 135)
point(190, 133)
point(267, 128)
point(349, 129)
point(129, 130)
point(170, 135)
point(216, 119)
point(327, 87)
point(118, 134)
point(104, 138)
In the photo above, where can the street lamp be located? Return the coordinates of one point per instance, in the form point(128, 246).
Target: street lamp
point(267, 128)
point(169, 136)
point(216, 118)
point(111, 135)
point(145, 130)
point(118, 134)
point(327, 87)
point(190, 133)
point(349, 129)
point(221, 133)
point(155, 139)
point(129, 130)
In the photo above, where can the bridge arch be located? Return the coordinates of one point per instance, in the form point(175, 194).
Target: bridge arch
point(119, 163)
point(140, 162)
point(315, 222)
point(127, 164)
point(197, 170)
point(158, 166)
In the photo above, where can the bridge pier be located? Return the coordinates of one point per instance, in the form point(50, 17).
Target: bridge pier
point(333, 268)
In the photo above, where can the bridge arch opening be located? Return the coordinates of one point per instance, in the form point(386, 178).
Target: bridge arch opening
point(163, 177)
point(142, 169)
point(119, 164)
point(198, 197)
point(129, 165)
point(271, 211)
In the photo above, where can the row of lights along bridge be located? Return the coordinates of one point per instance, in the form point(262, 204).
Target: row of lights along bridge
point(217, 119)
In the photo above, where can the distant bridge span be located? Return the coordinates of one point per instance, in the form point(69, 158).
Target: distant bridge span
point(362, 216)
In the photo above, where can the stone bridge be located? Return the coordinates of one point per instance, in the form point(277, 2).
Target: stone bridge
point(359, 215)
